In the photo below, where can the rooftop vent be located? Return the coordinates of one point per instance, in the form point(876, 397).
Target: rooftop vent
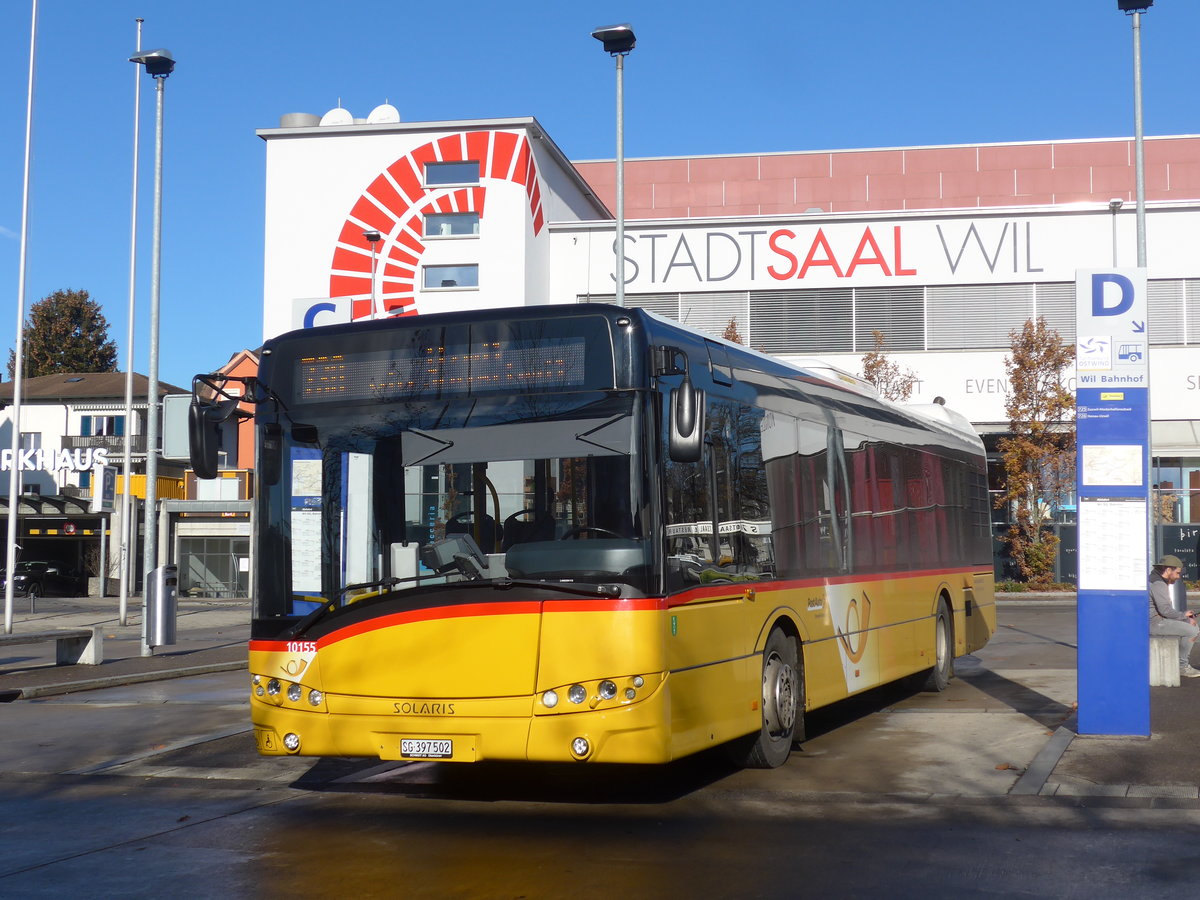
point(299, 120)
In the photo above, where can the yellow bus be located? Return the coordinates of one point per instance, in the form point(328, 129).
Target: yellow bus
point(584, 532)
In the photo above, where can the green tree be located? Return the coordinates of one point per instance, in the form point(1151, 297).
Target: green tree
point(892, 382)
point(65, 332)
point(1039, 453)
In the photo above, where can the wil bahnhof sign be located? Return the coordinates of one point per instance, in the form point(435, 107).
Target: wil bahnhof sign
point(1112, 415)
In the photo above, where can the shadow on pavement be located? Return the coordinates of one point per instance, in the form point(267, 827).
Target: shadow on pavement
point(1020, 698)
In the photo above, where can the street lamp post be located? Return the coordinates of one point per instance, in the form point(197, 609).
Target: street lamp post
point(159, 64)
point(1114, 206)
point(373, 238)
point(14, 474)
point(618, 40)
point(128, 536)
point(1135, 8)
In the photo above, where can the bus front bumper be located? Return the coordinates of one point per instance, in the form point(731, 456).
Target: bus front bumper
point(637, 733)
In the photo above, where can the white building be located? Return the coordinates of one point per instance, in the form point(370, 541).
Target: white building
point(73, 428)
point(946, 250)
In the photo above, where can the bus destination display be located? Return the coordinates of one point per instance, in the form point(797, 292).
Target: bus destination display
point(493, 366)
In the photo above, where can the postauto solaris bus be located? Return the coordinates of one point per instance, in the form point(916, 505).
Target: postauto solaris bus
point(583, 532)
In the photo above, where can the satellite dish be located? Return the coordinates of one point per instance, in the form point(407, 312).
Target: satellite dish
point(337, 116)
point(384, 114)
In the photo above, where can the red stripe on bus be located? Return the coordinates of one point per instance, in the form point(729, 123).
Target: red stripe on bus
point(726, 590)
point(473, 610)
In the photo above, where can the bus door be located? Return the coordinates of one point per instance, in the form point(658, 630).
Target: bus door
point(719, 554)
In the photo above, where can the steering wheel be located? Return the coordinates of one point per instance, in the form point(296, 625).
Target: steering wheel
point(580, 529)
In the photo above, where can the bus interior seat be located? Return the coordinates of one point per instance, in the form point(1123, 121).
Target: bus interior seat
point(527, 525)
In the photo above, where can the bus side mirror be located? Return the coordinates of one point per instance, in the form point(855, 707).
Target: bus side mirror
point(686, 417)
point(204, 439)
point(205, 418)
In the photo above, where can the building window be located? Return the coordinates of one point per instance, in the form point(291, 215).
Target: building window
point(443, 173)
point(31, 440)
point(439, 277)
point(95, 426)
point(439, 225)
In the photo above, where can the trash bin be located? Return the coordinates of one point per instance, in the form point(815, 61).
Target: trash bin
point(161, 606)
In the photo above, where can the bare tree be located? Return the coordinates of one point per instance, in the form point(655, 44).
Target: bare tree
point(892, 382)
point(1039, 453)
point(731, 332)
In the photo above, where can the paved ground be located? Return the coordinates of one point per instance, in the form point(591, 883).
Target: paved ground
point(1158, 771)
point(211, 636)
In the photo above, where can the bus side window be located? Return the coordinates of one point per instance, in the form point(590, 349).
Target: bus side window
point(743, 519)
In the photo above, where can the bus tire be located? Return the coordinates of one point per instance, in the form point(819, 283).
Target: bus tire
point(937, 679)
point(782, 704)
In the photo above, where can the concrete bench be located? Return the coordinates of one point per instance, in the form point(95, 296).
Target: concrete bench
point(75, 646)
point(1164, 661)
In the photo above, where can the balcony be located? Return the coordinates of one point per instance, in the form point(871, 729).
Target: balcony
point(113, 443)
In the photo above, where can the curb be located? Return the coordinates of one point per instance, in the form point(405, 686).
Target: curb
point(93, 684)
point(1042, 767)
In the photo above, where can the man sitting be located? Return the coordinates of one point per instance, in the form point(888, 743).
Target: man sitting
point(1165, 619)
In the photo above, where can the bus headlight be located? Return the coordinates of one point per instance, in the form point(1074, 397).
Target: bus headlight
point(579, 747)
point(273, 686)
point(294, 692)
point(291, 742)
point(315, 697)
point(603, 693)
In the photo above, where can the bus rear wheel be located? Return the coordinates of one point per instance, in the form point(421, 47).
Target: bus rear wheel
point(782, 705)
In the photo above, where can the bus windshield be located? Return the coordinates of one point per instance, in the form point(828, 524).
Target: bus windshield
point(552, 497)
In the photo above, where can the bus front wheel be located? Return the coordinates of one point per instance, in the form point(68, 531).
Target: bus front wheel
point(782, 705)
point(938, 678)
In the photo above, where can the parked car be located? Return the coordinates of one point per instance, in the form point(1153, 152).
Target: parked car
point(47, 579)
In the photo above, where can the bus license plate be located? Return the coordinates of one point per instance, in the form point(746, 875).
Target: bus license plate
point(422, 748)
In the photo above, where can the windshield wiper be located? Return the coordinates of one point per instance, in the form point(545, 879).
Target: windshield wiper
point(499, 584)
point(599, 590)
point(329, 606)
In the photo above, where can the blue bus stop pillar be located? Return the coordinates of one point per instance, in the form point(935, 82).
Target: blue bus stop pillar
point(1113, 635)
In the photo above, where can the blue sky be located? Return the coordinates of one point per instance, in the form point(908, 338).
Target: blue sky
point(706, 77)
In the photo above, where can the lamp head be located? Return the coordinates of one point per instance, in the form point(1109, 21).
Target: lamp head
point(1133, 6)
point(1115, 203)
point(159, 63)
point(617, 39)
point(372, 236)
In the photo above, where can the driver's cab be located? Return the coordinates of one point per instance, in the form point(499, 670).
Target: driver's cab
point(564, 519)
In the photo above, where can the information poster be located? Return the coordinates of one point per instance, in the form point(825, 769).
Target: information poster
point(306, 522)
point(1104, 526)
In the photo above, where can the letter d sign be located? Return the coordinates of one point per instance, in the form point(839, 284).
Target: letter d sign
point(1099, 307)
